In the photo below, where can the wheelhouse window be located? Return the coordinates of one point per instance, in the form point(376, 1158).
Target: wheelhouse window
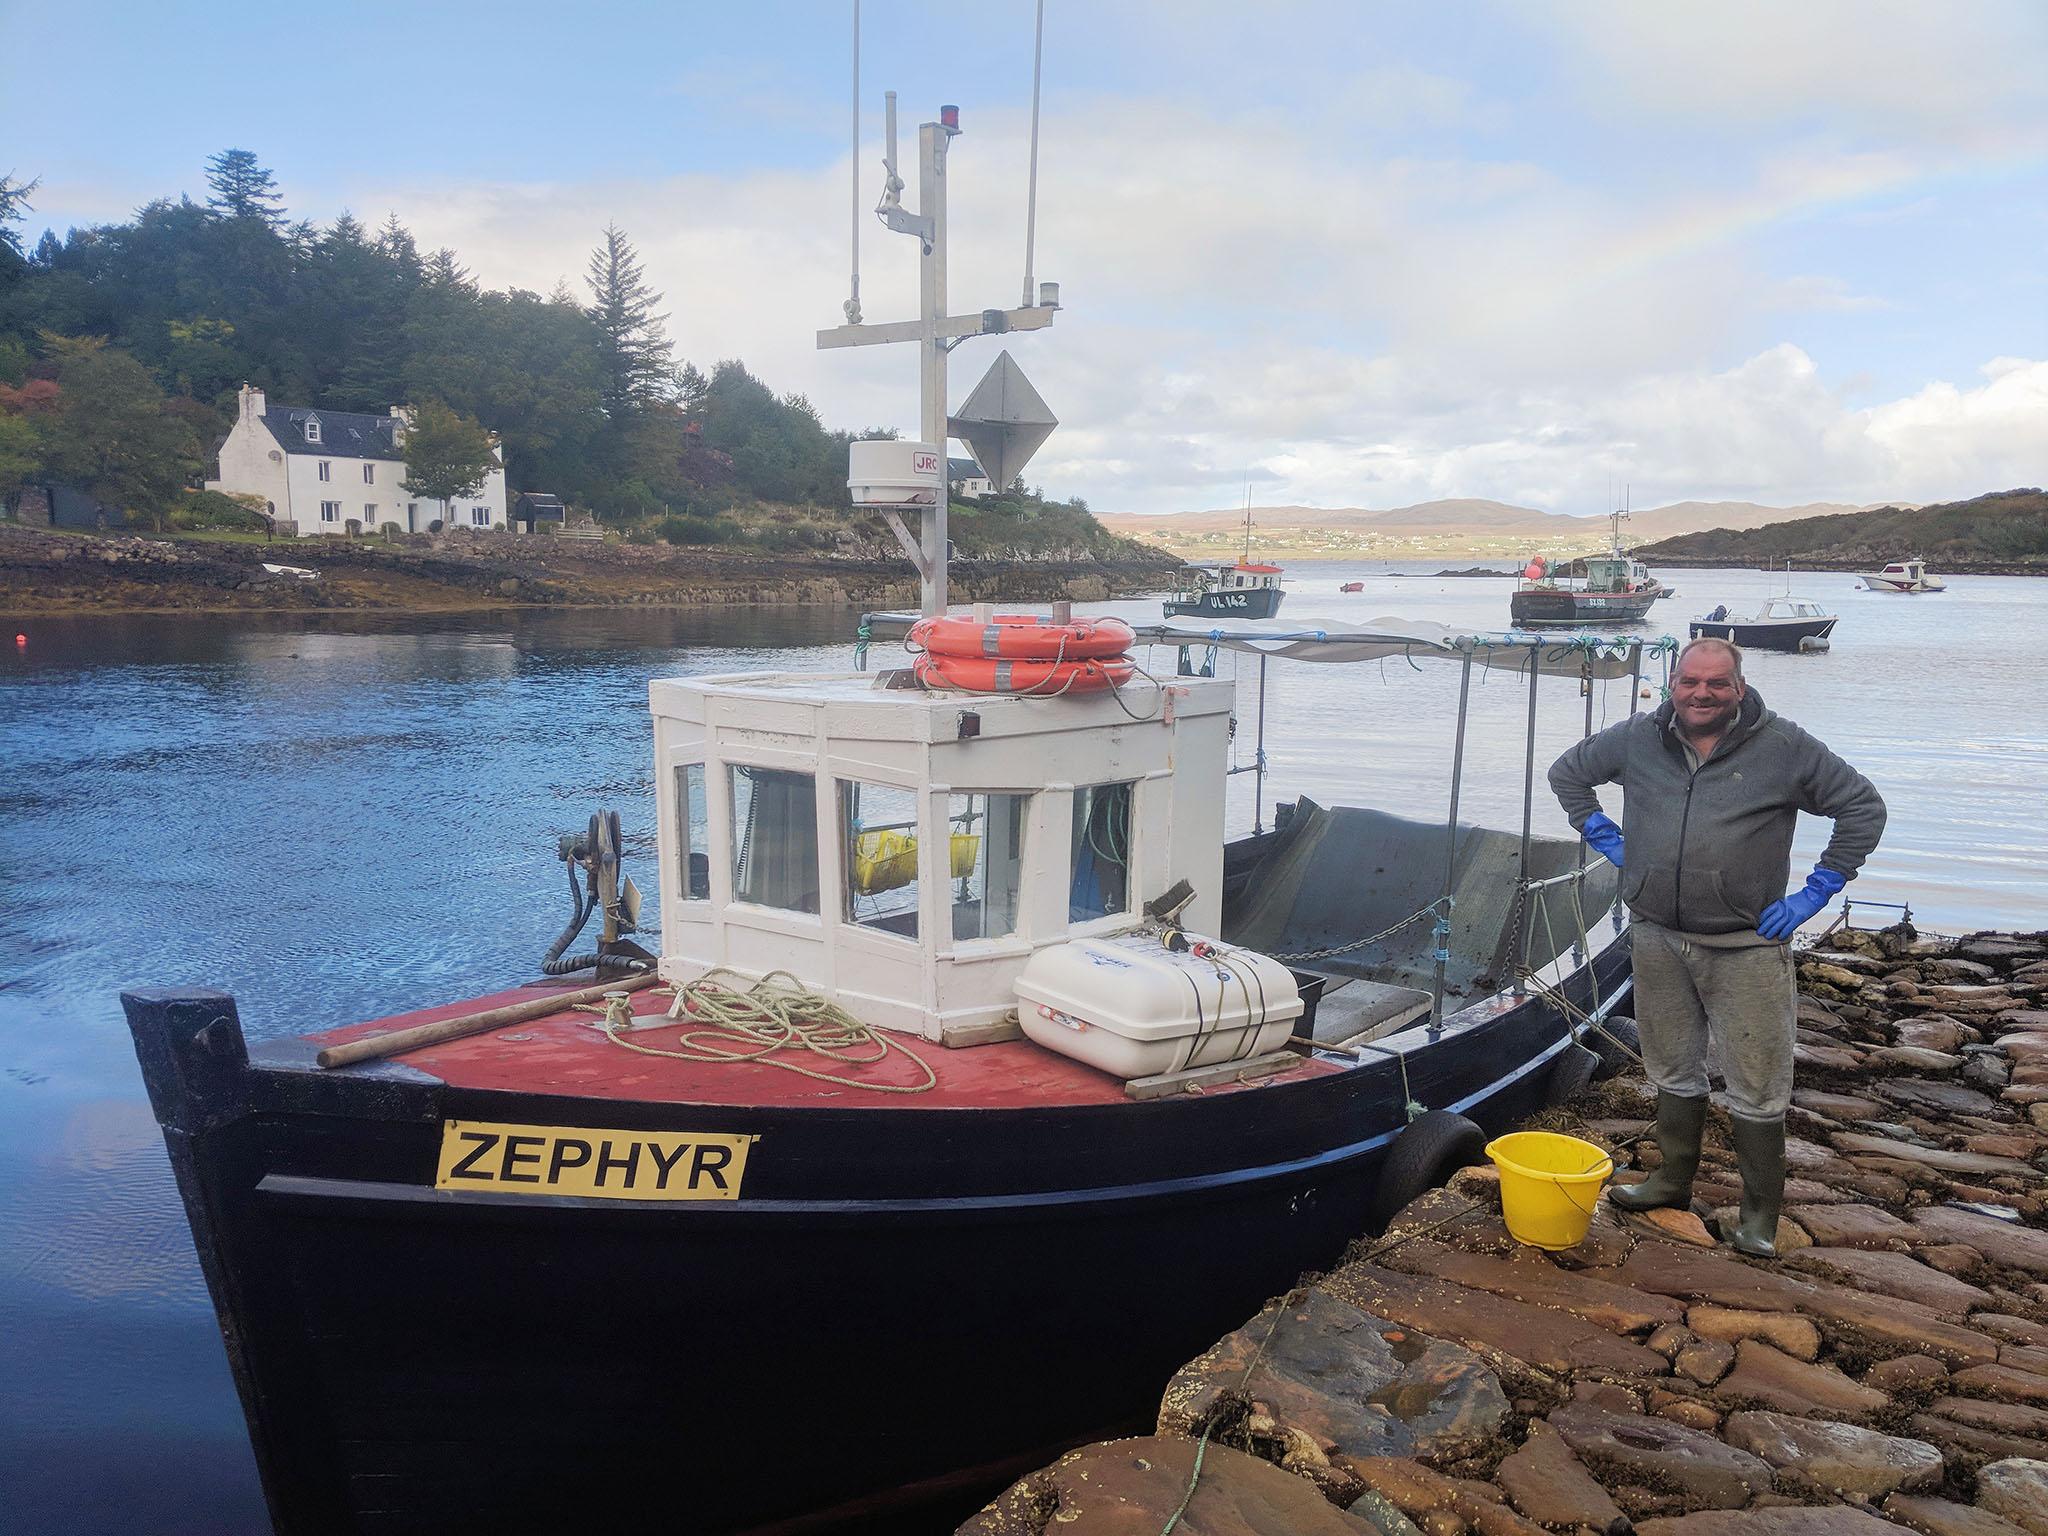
point(1101, 852)
point(774, 837)
point(693, 832)
point(986, 834)
point(878, 842)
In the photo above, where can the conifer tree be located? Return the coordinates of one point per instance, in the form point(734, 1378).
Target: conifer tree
point(242, 189)
point(13, 204)
point(637, 369)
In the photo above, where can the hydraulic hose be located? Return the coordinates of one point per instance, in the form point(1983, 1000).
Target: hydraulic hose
point(555, 964)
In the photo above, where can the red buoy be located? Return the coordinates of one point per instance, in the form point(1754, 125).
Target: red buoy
point(1534, 570)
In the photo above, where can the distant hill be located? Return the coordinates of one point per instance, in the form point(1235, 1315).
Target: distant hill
point(1999, 532)
point(1467, 523)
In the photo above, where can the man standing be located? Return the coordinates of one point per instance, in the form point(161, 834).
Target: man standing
point(1713, 783)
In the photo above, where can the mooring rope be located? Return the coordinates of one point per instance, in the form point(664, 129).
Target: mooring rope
point(750, 1023)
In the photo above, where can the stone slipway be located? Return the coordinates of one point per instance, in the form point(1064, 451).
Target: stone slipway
point(1889, 1374)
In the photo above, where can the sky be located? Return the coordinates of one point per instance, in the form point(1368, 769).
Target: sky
point(1352, 254)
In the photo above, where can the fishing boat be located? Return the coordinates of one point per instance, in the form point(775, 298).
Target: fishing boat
point(1614, 590)
point(1781, 624)
point(1352, 586)
point(1241, 589)
point(885, 1175)
point(1904, 576)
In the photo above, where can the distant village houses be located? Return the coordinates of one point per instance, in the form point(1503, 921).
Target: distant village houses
point(318, 471)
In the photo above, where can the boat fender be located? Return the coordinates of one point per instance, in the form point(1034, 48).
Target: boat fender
point(1619, 1053)
point(1430, 1148)
point(1570, 1073)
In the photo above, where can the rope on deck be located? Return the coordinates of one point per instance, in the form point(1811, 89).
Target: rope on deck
point(777, 1013)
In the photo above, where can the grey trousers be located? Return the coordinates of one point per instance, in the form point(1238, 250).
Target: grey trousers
point(1740, 1002)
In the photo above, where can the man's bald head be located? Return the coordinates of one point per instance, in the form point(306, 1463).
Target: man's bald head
point(1712, 644)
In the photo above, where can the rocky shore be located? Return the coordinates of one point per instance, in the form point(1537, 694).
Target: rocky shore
point(44, 573)
point(1889, 1373)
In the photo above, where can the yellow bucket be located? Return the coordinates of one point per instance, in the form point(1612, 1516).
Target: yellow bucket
point(1549, 1185)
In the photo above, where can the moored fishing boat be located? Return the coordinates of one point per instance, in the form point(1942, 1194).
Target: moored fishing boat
point(1614, 590)
point(887, 1174)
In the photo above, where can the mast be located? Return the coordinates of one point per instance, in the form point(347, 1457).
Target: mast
point(934, 331)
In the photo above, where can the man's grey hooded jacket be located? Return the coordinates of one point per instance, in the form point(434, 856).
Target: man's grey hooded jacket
point(1708, 850)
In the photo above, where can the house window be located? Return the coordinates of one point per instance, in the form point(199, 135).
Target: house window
point(369, 474)
point(326, 470)
point(774, 838)
point(878, 839)
point(985, 834)
point(369, 516)
point(330, 511)
point(481, 516)
point(1101, 852)
point(312, 429)
point(693, 832)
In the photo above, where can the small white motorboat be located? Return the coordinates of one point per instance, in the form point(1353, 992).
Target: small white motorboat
point(1905, 576)
point(1782, 624)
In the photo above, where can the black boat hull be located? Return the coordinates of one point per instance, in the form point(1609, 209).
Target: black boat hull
point(1538, 606)
point(1250, 603)
point(1783, 636)
point(902, 1295)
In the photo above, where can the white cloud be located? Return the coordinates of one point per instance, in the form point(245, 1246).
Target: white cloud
point(1967, 71)
point(1248, 295)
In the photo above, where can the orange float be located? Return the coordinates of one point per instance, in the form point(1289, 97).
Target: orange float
point(1041, 677)
point(1022, 637)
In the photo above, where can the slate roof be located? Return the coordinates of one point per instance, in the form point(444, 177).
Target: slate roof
point(963, 469)
point(343, 434)
point(538, 504)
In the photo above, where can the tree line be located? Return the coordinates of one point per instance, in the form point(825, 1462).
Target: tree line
point(122, 347)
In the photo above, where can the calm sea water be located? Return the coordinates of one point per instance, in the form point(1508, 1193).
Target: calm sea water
point(336, 819)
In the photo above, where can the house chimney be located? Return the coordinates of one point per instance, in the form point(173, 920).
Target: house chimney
point(252, 402)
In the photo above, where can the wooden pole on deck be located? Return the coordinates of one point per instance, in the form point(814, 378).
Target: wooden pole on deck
point(377, 1047)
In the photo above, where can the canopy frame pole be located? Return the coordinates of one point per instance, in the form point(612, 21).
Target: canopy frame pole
point(1259, 756)
point(1522, 918)
point(1443, 947)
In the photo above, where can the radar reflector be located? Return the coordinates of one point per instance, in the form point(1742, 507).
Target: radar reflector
point(1004, 421)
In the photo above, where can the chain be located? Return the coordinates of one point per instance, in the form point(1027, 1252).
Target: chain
point(1444, 902)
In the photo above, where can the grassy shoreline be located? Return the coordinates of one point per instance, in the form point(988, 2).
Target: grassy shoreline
point(52, 574)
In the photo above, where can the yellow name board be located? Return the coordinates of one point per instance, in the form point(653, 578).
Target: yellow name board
point(568, 1160)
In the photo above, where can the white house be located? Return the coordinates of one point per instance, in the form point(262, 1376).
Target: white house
point(322, 470)
point(967, 480)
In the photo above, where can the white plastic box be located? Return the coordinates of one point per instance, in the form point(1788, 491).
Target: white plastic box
point(1133, 1008)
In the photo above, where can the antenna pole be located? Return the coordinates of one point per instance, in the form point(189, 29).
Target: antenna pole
point(932, 139)
point(1031, 197)
point(853, 302)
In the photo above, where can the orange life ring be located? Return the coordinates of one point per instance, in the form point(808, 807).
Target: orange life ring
point(1022, 637)
point(1041, 678)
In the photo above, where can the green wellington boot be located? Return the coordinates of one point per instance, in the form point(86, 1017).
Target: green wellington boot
point(1760, 1154)
point(1679, 1124)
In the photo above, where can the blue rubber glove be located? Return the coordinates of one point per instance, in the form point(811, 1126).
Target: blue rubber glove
point(1781, 919)
point(1603, 837)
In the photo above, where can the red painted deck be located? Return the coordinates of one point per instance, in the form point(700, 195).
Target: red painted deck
point(566, 1053)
